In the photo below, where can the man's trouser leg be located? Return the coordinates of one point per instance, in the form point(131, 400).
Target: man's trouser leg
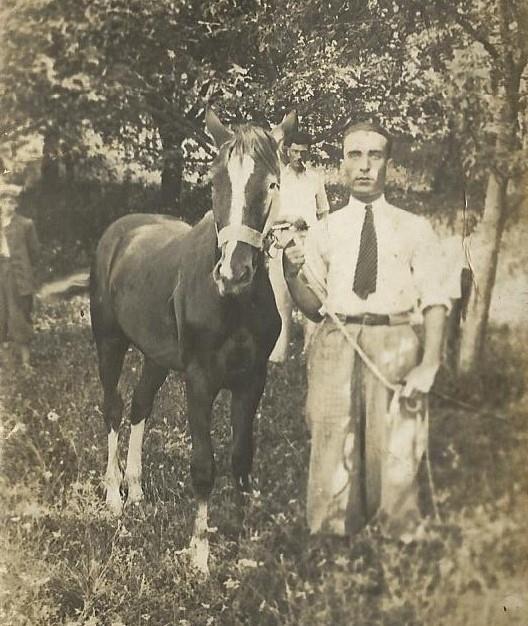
point(391, 440)
point(19, 308)
point(332, 470)
point(352, 435)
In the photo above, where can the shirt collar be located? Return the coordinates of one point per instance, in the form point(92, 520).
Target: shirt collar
point(289, 171)
point(378, 204)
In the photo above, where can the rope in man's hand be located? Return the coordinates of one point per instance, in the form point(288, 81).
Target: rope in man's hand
point(282, 233)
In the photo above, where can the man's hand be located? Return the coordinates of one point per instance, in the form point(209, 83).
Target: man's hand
point(420, 379)
point(294, 257)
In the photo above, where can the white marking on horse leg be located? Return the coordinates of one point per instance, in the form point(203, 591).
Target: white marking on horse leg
point(239, 171)
point(113, 476)
point(199, 547)
point(133, 466)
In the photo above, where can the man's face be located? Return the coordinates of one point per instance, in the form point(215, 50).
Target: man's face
point(7, 207)
point(298, 154)
point(365, 163)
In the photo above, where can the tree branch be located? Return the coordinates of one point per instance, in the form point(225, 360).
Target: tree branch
point(333, 132)
point(170, 115)
point(469, 29)
point(188, 128)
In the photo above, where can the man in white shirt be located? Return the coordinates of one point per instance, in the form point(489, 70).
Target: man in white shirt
point(302, 197)
point(372, 264)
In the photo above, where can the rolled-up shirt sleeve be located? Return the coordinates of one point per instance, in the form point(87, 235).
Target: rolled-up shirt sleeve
point(323, 207)
point(428, 266)
point(315, 267)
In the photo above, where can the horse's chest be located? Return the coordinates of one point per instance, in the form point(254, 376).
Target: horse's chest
point(237, 355)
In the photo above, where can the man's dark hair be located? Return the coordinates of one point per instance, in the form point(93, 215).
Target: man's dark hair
point(369, 125)
point(300, 138)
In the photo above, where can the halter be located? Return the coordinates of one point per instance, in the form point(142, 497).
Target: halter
point(244, 233)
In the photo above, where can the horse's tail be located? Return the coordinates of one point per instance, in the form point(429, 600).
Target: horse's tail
point(64, 288)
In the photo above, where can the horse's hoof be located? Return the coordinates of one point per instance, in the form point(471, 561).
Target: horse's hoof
point(115, 506)
point(199, 555)
point(135, 494)
point(201, 570)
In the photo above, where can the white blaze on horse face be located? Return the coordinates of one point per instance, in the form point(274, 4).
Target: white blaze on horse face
point(239, 171)
point(133, 467)
point(113, 476)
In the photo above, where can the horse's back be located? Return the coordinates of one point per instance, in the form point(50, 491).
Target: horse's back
point(140, 220)
point(152, 227)
point(132, 239)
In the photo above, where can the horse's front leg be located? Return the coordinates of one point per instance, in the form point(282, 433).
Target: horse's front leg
point(244, 402)
point(201, 393)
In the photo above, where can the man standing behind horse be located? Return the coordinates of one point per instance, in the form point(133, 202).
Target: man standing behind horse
point(302, 197)
point(370, 264)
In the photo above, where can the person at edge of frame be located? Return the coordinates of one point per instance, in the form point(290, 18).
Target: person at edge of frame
point(302, 196)
point(376, 264)
point(19, 254)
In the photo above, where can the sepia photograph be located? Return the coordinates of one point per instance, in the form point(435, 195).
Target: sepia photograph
point(263, 312)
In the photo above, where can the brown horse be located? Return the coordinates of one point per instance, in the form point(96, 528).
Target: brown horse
point(197, 300)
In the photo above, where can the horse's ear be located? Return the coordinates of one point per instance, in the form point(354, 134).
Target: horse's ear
point(220, 133)
point(286, 127)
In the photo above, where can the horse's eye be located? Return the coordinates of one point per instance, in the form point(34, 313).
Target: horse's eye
point(274, 186)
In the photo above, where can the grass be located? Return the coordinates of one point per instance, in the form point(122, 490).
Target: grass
point(66, 561)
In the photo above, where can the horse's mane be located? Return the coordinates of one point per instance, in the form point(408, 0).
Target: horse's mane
point(253, 140)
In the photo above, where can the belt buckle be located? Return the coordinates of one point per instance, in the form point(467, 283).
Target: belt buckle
point(369, 318)
point(398, 319)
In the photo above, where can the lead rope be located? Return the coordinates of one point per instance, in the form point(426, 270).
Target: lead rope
point(320, 292)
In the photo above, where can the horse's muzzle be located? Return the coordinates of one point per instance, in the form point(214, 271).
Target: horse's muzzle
point(232, 283)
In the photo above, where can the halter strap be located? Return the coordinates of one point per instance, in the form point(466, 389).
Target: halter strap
point(243, 233)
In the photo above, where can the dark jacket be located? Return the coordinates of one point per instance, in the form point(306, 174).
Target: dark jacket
point(24, 250)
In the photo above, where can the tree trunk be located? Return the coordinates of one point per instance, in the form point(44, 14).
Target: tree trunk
point(486, 245)
point(509, 63)
point(172, 170)
point(50, 164)
point(171, 180)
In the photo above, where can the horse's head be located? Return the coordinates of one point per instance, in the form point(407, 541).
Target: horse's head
point(245, 178)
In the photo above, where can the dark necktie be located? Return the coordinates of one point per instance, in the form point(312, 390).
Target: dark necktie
point(367, 263)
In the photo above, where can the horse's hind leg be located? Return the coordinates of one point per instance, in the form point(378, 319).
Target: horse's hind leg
point(152, 377)
point(111, 351)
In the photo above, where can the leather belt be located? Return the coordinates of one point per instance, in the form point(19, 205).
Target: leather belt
point(377, 319)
